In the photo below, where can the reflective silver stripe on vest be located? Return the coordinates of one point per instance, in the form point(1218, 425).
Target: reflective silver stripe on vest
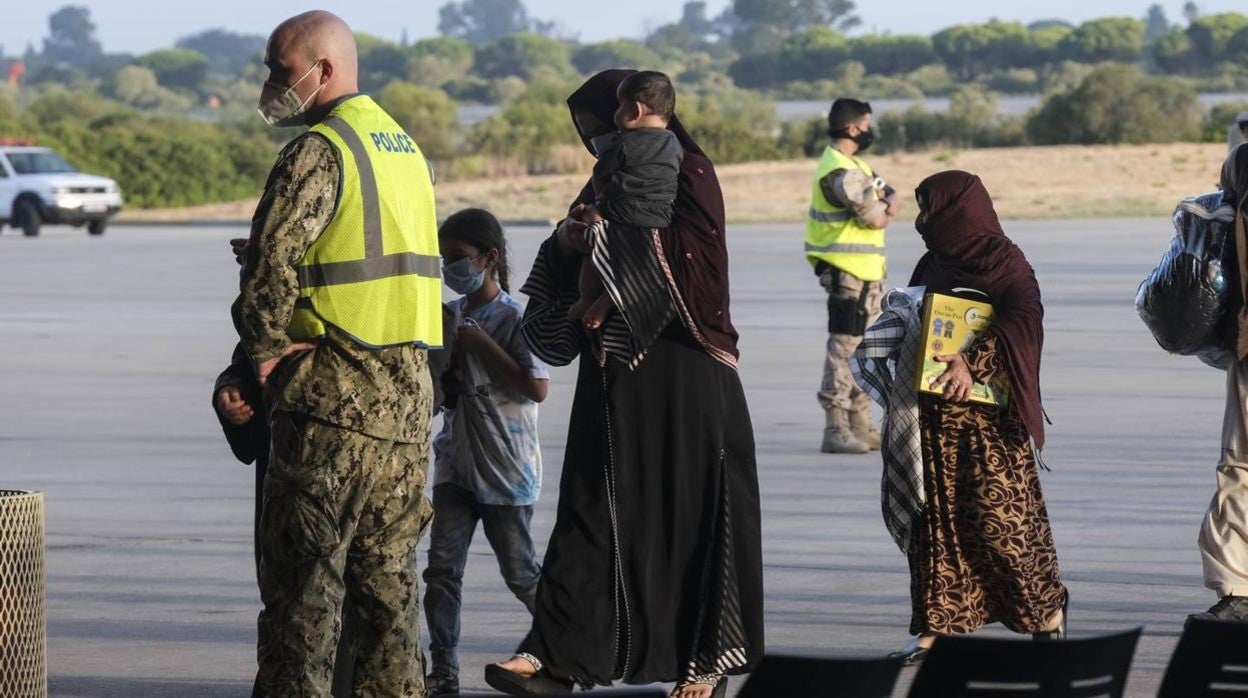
point(376, 263)
point(831, 216)
point(368, 185)
point(845, 248)
point(373, 269)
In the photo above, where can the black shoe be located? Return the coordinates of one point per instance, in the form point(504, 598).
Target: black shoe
point(540, 683)
point(441, 685)
point(1228, 608)
point(1060, 633)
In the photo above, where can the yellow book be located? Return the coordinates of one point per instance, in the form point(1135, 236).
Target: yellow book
point(950, 325)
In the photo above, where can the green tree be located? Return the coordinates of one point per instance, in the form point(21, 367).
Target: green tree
point(755, 71)
point(893, 55)
point(972, 121)
point(1108, 39)
point(1064, 77)
point(1041, 25)
point(1173, 52)
point(817, 53)
point(673, 37)
point(795, 15)
point(71, 38)
point(435, 62)
point(427, 114)
point(1191, 12)
point(380, 62)
point(732, 125)
point(694, 31)
point(693, 19)
point(1237, 48)
point(1211, 35)
point(813, 54)
point(529, 129)
point(1219, 119)
point(752, 39)
point(526, 56)
point(620, 53)
point(970, 50)
point(1044, 44)
point(1157, 24)
point(483, 21)
point(137, 87)
point(176, 67)
point(1118, 104)
point(60, 105)
point(227, 52)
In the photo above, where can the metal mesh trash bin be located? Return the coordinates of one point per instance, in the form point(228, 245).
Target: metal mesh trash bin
point(23, 629)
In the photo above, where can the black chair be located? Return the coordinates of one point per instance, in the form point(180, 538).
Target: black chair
point(1211, 659)
point(779, 675)
point(655, 691)
point(990, 668)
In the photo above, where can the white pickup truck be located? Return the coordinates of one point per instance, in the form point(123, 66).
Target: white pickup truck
point(37, 186)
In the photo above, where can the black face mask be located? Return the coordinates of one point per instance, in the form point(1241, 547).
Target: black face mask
point(862, 140)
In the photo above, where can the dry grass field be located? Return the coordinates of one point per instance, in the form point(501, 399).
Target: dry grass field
point(1026, 183)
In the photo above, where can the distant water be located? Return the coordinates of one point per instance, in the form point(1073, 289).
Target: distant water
point(797, 110)
point(1010, 105)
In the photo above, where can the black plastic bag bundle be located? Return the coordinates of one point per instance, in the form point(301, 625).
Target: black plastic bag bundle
point(1184, 300)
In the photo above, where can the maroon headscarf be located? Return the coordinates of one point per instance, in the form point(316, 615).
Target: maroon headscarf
point(968, 249)
point(694, 250)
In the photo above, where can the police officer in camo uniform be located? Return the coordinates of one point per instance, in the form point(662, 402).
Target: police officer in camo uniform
point(849, 209)
point(340, 300)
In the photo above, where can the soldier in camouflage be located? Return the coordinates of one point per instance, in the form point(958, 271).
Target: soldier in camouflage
point(344, 502)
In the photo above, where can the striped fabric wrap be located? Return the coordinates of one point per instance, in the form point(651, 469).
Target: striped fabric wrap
point(628, 263)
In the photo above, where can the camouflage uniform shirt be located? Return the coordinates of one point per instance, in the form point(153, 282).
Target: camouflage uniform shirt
point(376, 392)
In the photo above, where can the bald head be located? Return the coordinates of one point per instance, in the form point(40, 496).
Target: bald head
point(305, 41)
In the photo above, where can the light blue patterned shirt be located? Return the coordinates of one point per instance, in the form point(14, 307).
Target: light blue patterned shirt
point(509, 471)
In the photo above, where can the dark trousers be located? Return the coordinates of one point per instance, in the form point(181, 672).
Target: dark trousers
point(455, 516)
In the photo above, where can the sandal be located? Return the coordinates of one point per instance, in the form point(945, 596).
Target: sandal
point(539, 683)
point(719, 682)
point(912, 654)
point(1060, 632)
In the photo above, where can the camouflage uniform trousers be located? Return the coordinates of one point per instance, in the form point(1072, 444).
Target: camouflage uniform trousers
point(343, 513)
point(838, 388)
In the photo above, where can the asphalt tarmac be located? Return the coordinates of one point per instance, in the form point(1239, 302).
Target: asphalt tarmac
point(110, 348)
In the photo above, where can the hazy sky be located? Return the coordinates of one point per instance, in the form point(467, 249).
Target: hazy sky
point(137, 26)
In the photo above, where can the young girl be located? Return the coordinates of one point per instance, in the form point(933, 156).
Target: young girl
point(487, 463)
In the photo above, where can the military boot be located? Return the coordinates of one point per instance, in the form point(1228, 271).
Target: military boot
point(864, 428)
point(838, 437)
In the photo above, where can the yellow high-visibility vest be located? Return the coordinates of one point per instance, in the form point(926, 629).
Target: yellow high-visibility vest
point(833, 235)
point(374, 272)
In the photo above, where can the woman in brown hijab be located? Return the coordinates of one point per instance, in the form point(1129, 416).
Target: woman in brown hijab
point(653, 572)
point(984, 551)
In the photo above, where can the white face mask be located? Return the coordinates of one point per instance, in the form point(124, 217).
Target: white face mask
point(287, 109)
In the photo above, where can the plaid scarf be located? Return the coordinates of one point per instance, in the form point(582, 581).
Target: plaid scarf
point(885, 365)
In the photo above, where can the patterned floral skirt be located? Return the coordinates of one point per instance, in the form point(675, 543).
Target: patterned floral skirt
point(984, 551)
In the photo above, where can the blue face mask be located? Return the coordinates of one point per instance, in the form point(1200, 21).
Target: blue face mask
point(461, 277)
